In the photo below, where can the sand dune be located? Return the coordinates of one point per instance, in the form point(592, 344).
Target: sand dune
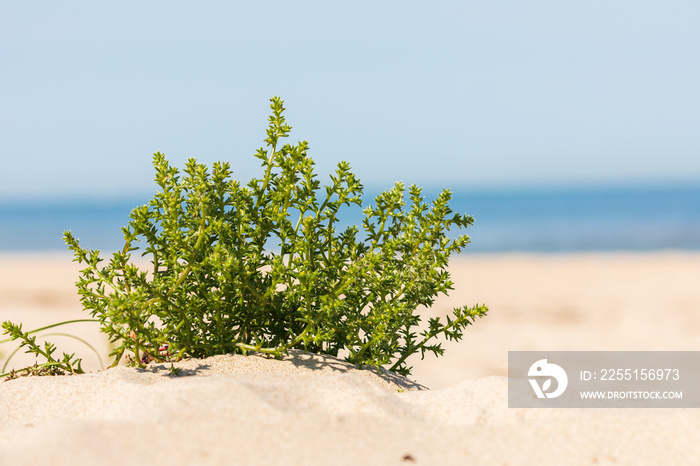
point(313, 410)
point(310, 409)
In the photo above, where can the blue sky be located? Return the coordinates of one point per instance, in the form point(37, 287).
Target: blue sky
point(471, 94)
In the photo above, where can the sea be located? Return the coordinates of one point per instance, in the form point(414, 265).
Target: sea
point(505, 220)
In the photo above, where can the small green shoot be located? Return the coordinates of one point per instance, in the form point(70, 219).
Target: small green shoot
point(67, 365)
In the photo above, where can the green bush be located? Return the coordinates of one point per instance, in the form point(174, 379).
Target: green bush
point(265, 266)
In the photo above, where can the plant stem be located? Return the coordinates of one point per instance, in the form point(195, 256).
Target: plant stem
point(52, 326)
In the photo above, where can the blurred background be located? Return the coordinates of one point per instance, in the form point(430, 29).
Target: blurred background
point(560, 126)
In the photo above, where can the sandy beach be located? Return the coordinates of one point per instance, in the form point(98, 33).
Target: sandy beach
point(310, 409)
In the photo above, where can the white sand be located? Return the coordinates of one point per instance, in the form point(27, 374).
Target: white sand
point(318, 410)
